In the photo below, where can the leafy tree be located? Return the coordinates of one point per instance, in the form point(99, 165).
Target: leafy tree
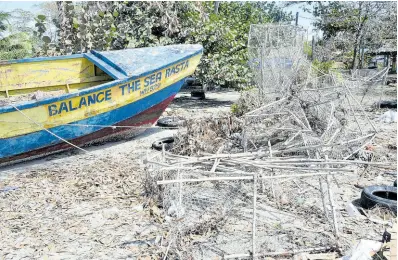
point(224, 37)
point(15, 46)
point(50, 11)
point(221, 27)
point(4, 16)
point(16, 41)
point(365, 24)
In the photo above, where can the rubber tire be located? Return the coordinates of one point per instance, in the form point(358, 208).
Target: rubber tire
point(387, 104)
point(190, 81)
point(158, 144)
point(369, 199)
point(198, 94)
point(170, 121)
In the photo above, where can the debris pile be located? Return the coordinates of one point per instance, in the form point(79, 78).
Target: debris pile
point(264, 182)
point(206, 134)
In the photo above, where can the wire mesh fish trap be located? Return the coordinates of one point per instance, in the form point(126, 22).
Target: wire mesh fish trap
point(279, 124)
point(199, 207)
point(205, 134)
point(275, 55)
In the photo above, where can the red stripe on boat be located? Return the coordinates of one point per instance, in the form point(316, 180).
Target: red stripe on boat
point(147, 117)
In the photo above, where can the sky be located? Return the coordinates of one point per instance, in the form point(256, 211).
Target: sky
point(8, 6)
point(304, 18)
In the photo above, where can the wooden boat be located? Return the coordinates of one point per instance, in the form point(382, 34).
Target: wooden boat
point(86, 98)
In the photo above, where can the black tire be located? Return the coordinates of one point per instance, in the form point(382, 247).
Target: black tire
point(385, 196)
point(170, 121)
point(190, 81)
point(167, 141)
point(198, 94)
point(387, 104)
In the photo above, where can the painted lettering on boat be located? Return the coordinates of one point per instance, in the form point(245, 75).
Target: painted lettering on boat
point(85, 101)
point(177, 68)
point(130, 87)
point(146, 85)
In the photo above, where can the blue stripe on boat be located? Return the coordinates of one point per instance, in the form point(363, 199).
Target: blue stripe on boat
point(39, 59)
point(36, 140)
point(45, 101)
point(111, 71)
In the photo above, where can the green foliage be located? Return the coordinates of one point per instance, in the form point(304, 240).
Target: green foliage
point(308, 49)
point(130, 24)
point(323, 67)
point(331, 14)
point(4, 16)
point(363, 24)
point(18, 40)
point(224, 37)
point(15, 46)
point(235, 109)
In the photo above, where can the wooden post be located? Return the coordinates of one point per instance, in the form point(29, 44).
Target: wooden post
point(254, 214)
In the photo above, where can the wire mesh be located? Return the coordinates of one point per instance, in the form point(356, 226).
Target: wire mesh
point(275, 56)
point(209, 218)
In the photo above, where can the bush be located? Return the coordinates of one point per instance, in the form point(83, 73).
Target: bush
point(223, 33)
point(323, 67)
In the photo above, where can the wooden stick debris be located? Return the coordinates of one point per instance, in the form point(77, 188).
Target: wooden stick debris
point(234, 178)
point(254, 216)
point(281, 253)
point(331, 201)
point(272, 166)
point(206, 179)
point(268, 105)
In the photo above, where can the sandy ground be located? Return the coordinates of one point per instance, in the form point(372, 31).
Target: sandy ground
point(77, 205)
point(87, 206)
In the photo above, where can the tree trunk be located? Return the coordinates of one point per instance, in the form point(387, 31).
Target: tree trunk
point(216, 5)
point(358, 37)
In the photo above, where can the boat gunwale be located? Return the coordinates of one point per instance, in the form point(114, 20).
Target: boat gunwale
point(45, 101)
point(39, 59)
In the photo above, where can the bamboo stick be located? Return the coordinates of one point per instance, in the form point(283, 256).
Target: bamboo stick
point(297, 175)
point(254, 215)
point(280, 163)
point(206, 179)
point(271, 166)
point(292, 161)
point(234, 178)
point(260, 108)
point(272, 114)
point(283, 253)
point(331, 201)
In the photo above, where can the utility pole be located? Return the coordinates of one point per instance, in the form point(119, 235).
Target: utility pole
point(297, 14)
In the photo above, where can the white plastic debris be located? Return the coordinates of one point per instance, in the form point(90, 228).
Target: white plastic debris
point(352, 210)
point(388, 117)
point(364, 250)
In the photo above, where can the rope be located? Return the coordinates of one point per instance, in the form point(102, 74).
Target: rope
point(48, 131)
point(103, 126)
